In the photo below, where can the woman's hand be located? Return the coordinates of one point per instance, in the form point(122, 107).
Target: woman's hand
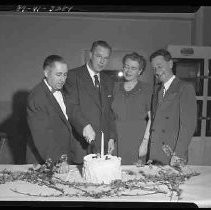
point(143, 147)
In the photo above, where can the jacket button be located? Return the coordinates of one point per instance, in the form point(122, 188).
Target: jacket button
point(163, 131)
point(167, 117)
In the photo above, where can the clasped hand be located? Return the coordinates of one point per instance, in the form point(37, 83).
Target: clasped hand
point(177, 161)
point(89, 133)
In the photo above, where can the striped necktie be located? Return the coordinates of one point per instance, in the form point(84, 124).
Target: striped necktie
point(163, 91)
point(97, 83)
point(97, 86)
point(161, 94)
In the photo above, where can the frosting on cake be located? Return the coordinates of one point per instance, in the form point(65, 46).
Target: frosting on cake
point(99, 170)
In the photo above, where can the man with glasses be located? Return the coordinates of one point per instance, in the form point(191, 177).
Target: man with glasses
point(91, 89)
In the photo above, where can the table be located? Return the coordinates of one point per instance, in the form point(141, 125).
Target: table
point(195, 190)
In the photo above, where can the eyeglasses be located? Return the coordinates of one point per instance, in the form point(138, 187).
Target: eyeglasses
point(101, 57)
point(130, 68)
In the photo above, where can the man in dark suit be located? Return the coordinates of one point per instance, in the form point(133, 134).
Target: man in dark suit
point(91, 89)
point(174, 113)
point(48, 117)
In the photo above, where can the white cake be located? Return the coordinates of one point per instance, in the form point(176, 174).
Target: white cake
point(99, 170)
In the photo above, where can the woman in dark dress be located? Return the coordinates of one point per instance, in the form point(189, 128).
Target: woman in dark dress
point(131, 106)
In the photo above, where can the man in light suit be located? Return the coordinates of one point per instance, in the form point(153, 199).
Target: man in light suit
point(48, 117)
point(174, 113)
point(91, 89)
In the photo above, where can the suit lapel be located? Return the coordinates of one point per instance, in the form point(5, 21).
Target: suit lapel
point(55, 104)
point(160, 95)
point(155, 100)
point(89, 86)
point(174, 87)
point(103, 89)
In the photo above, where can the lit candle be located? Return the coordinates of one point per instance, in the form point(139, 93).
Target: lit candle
point(102, 145)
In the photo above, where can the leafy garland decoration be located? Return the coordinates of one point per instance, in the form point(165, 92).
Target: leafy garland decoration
point(43, 176)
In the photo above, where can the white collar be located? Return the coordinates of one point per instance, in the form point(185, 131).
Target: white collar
point(49, 87)
point(168, 83)
point(92, 73)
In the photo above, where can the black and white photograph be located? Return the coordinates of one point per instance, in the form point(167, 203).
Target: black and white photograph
point(105, 106)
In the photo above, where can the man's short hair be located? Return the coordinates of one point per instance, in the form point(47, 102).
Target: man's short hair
point(136, 57)
point(51, 59)
point(161, 52)
point(102, 44)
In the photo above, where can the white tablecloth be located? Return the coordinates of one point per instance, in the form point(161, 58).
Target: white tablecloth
point(195, 190)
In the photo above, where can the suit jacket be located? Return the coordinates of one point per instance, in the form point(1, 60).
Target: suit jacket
point(81, 91)
point(173, 120)
point(50, 130)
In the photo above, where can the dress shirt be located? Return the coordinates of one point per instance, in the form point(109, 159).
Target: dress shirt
point(92, 74)
point(168, 83)
point(59, 98)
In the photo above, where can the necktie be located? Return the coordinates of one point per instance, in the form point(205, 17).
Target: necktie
point(97, 83)
point(97, 86)
point(163, 91)
point(161, 94)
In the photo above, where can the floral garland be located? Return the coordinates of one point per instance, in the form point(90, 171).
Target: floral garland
point(43, 176)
